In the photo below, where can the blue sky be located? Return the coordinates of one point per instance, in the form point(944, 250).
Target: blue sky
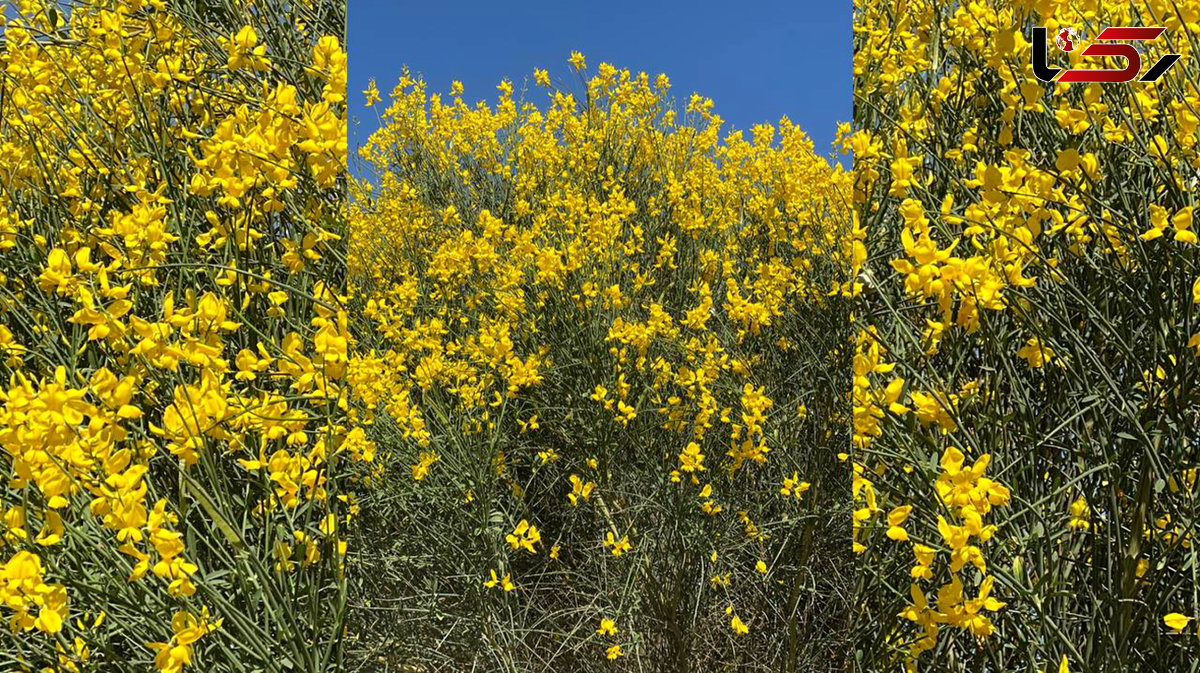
point(757, 60)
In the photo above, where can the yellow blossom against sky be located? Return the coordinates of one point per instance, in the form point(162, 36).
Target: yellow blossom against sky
point(594, 308)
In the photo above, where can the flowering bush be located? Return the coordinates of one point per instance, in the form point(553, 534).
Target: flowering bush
point(173, 341)
point(1025, 399)
point(606, 378)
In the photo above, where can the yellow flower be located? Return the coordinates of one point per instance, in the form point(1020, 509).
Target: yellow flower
point(792, 486)
point(1182, 223)
point(524, 536)
point(505, 582)
point(1176, 622)
point(174, 655)
point(691, 460)
point(607, 627)
point(896, 519)
point(371, 93)
point(577, 60)
point(1080, 515)
point(617, 547)
point(580, 490)
point(1035, 352)
point(421, 469)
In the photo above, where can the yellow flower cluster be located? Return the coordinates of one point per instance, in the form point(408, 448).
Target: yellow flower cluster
point(34, 604)
point(1023, 290)
point(173, 403)
point(969, 496)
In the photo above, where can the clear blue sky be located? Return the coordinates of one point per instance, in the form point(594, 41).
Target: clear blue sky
point(758, 60)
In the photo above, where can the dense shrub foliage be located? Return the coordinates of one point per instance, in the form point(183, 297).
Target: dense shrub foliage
point(1025, 375)
point(606, 377)
point(173, 344)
